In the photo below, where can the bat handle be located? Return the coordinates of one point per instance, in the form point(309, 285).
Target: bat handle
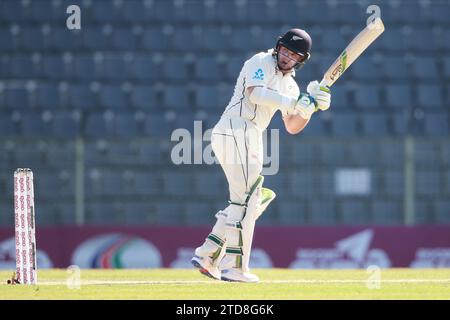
point(324, 83)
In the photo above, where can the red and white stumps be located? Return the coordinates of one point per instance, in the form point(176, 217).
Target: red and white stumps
point(26, 267)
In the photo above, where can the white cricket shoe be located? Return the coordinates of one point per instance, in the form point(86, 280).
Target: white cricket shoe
point(206, 267)
point(237, 275)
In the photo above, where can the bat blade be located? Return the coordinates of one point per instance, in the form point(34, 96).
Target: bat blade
point(354, 49)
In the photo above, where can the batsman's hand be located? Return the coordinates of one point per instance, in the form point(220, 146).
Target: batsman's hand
point(320, 94)
point(305, 106)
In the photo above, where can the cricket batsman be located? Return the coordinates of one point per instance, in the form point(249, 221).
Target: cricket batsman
point(264, 86)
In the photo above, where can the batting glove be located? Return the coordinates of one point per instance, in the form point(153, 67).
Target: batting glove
point(305, 106)
point(321, 95)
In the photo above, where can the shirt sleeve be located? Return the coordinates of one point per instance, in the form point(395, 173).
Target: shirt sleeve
point(256, 72)
point(293, 92)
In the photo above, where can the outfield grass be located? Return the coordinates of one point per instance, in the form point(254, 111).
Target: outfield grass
point(276, 284)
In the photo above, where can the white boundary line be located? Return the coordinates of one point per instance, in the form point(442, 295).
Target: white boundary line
point(189, 282)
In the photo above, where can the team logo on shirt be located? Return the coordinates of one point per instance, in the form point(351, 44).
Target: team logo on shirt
point(259, 75)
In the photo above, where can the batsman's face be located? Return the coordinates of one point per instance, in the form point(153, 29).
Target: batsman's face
point(287, 59)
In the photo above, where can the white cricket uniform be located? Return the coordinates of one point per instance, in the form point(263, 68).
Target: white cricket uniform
point(237, 143)
point(246, 121)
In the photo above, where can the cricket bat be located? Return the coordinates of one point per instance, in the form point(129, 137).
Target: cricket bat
point(353, 51)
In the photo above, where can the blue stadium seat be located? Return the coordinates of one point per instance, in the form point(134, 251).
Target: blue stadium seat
point(155, 39)
point(136, 11)
point(429, 96)
point(394, 182)
point(169, 213)
point(315, 128)
point(211, 184)
point(96, 39)
point(353, 211)
point(332, 38)
point(156, 126)
point(235, 64)
point(398, 96)
point(23, 67)
point(367, 96)
point(143, 97)
point(7, 126)
point(66, 40)
point(16, 98)
point(47, 96)
point(206, 97)
point(446, 67)
point(392, 154)
point(65, 125)
point(321, 211)
point(32, 38)
point(178, 39)
point(385, 212)
point(145, 68)
point(437, 124)
point(348, 12)
point(305, 183)
point(34, 125)
point(82, 97)
point(177, 184)
point(85, 67)
point(215, 39)
point(326, 183)
point(126, 125)
point(199, 213)
point(176, 97)
point(394, 67)
point(107, 12)
point(362, 153)
point(332, 154)
point(344, 124)
point(292, 213)
point(138, 213)
point(8, 41)
point(112, 97)
point(151, 154)
point(426, 68)
point(428, 183)
point(339, 98)
point(99, 126)
point(208, 69)
point(114, 67)
point(12, 11)
point(54, 67)
point(302, 154)
point(442, 211)
point(146, 184)
point(103, 213)
point(175, 68)
point(43, 11)
point(425, 154)
point(374, 124)
point(400, 123)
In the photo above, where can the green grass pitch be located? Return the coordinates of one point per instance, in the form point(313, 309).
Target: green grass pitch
point(181, 284)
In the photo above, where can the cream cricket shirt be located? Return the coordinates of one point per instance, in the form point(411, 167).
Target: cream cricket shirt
point(260, 70)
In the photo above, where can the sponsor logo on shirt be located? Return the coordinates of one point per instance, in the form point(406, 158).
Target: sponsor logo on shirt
point(259, 75)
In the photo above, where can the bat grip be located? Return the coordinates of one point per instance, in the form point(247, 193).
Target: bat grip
point(324, 83)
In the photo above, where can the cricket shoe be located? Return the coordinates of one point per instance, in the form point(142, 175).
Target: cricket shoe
point(205, 266)
point(237, 275)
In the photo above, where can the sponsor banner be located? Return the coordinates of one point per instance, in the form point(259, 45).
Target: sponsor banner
point(279, 247)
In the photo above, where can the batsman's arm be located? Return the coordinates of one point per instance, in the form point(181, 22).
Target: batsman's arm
point(294, 124)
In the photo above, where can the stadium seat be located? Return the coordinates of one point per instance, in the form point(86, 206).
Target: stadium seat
point(305, 183)
point(425, 154)
point(176, 97)
point(321, 211)
point(393, 183)
point(428, 183)
point(344, 124)
point(374, 124)
point(23, 67)
point(31, 38)
point(177, 184)
point(126, 125)
point(211, 184)
point(96, 39)
point(400, 122)
point(35, 125)
point(206, 97)
point(7, 126)
point(85, 67)
point(429, 96)
point(114, 67)
point(145, 68)
point(82, 97)
point(332, 154)
point(138, 213)
point(363, 153)
point(367, 96)
point(442, 211)
point(398, 96)
point(395, 68)
point(146, 184)
point(292, 213)
point(386, 212)
point(47, 97)
point(143, 97)
point(16, 98)
point(353, 211)
point(112, 97)
point(426, 68)
point(437, 124)
point(64, 40)
point(198, 213)
point(169, 213)
point(156, 126)
point(207, 68)
point(98, 125)
point(392, 154)
point(65, 125)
